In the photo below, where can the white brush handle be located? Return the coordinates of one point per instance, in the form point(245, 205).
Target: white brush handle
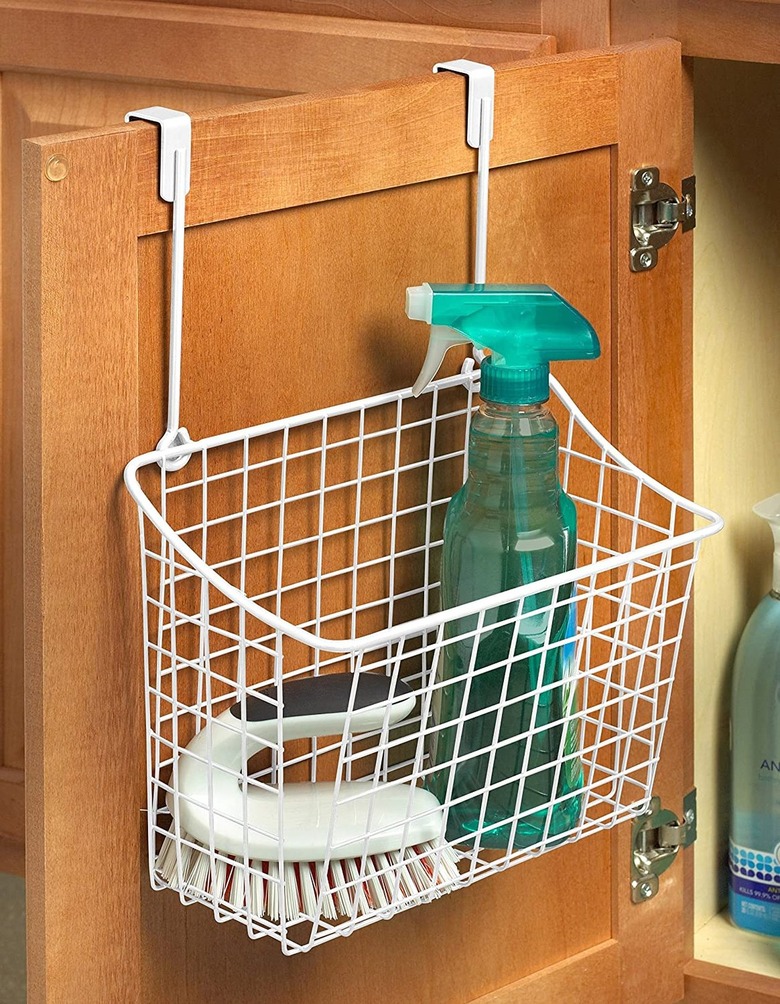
point(212, 802)
point(316, 706)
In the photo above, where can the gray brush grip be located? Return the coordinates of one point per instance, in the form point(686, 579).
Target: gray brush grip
point(325, 695)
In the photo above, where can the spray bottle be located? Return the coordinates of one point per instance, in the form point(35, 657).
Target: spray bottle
point(754, 858)
point(505, 755)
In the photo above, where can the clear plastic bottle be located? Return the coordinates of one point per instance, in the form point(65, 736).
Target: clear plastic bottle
point(754, 857)
point(506, 755)
point(510, 524)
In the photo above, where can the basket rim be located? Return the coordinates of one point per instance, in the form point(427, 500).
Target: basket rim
point(469, 379)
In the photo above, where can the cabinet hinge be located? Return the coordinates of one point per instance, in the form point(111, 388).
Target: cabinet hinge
point(656, 215)
point(657, 837)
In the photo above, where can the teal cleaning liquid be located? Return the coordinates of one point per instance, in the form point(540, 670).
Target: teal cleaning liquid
point(505, 756)
point(510, 524)
point(754, 853)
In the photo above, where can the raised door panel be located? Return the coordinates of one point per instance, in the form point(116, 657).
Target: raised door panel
point(307, 218)
point(272, 299)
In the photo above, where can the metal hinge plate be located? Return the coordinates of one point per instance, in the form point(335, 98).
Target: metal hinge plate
point(656, 215)
point(657, 837)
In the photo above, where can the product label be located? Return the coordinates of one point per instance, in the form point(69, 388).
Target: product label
point(754, 874)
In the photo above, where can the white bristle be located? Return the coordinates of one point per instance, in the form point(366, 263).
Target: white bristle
point(405, 884)
point(447, 862)
point(196, 880)
point(291, 900)
point(308, 889)
point(355, 889)
point(386, 865)
point(165, 865)
point(416, 870)
point(340, 890)
point(188, 859)
point(168, 861)
point(272, 895)
point(237, 893)
point(341, 894)
point(329, 909)
point(376, 887)
point(219, 879)
point(257, 889)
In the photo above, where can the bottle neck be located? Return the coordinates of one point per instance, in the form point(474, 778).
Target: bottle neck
point(515, 443)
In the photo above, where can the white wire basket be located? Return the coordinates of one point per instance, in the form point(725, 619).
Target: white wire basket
point(307, 550)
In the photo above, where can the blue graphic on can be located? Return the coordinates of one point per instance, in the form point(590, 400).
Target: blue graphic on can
point(754, 889)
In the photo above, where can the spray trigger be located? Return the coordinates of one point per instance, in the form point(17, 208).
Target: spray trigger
point(441, 340)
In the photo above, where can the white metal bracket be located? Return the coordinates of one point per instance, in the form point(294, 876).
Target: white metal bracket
point(175, 161)
point(480, 101)
point(481, 97)
point(479, 132)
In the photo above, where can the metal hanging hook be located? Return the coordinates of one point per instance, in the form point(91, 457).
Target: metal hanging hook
point(175, 161)
point(479, 133)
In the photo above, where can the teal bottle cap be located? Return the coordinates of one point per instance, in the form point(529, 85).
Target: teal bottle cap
point(514, 384)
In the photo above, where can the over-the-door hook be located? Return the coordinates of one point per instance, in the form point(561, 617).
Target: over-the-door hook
point(479, 133)
point(175, 159)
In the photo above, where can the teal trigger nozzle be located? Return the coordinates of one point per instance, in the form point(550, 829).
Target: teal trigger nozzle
point(524, 327)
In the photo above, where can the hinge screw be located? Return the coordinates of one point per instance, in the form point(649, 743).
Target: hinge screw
point(646, 890)
point(690, 815)
point(688, 206)
point(647, 178)
point(646, 259)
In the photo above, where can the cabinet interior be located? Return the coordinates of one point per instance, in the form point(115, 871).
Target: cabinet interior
point(736, 369)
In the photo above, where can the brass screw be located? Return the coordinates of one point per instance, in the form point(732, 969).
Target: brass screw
point(56, 168)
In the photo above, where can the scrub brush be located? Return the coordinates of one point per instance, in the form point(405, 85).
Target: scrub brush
point(396, 828)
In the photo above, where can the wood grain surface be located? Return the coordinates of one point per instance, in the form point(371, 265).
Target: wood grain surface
point(725, 29)
point(313, 260)
point(235, 49)
point(597, 980)
point(706, 983)
point(499, 15)
point(576, 24)
point(715, 29)
point(317, 286)
point(311, 141)
point(80, 65)
point(35, 105)
point(83, 765)
point(648, 312)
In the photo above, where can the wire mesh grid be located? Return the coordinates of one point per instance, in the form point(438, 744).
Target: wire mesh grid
point(326, 746)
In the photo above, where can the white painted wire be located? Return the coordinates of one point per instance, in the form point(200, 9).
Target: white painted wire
point(215, 634)
point(483, 177)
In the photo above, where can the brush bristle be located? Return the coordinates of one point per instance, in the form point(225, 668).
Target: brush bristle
point(308, 890)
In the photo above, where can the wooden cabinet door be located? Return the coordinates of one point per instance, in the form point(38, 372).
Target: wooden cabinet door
point(308, 217)
point(66, 66)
